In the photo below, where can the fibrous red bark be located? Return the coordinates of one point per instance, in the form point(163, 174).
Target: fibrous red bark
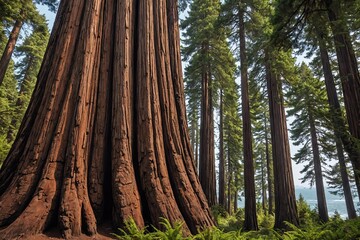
point(285, 201)
point(105, 134)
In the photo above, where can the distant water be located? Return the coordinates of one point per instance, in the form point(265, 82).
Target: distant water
point(334, 202)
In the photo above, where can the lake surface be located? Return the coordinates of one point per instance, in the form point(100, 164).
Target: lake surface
point(334, 202)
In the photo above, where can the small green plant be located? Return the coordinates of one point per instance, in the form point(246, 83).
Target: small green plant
point(311, 232)
point(229, 229)
point(170, 232)
point(217, 234)
point(131, 232)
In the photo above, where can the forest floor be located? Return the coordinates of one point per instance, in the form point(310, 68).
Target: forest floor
point(104, 233)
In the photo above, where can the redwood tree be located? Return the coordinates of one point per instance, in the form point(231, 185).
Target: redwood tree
point(249, 178)
point(105, 133)
point(285, 202)
point(350, 79)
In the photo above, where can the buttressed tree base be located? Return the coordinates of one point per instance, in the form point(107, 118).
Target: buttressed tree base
point(105, 135)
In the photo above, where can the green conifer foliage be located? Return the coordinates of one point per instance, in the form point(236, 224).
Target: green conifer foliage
point(210, 67)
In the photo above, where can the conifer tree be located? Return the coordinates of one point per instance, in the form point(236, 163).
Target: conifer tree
point(31, 53)
point(291, 19)
point(8, 96)
point(307, 102)
point(210, 65)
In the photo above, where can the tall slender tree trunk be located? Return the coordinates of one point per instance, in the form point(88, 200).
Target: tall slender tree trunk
point(341, 132)
point(263, 187)
point(222, 200)
point(249, 173)
point(108, 110)
point(207, 154)
point(9, 49)
point(230, 177)
point(345, 181)
point(350, 79)
point(268, 168)
point(194, 137)
point(285, 201)
point(235, 200)
point(320, 191)
point(197, 149)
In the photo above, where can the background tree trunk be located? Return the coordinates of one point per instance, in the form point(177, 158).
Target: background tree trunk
point(249, 173)
point(9, 49)
point(269, 169)
point(341, 132)
point(221, 155)
point(350, 79)
point(320, 191)
point(285, 201)
point(207, 155)
point(108, 110)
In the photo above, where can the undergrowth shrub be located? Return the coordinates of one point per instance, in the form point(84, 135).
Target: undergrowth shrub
point(229, 229)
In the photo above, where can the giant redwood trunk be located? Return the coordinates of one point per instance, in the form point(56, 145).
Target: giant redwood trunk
point(105, 134)
point(350, 79)
point(319, 183)
point(249, 173)
point(9, 49)
point(285, 201)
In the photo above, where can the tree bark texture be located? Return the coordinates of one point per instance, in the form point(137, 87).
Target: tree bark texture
point(105, 135)
point(285, 201)
point(350, 80)
point(338, 122)
point(249, 173)
point(319, 183)
point(207, 153)
point(9, 49)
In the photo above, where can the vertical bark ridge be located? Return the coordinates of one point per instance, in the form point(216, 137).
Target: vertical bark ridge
point(151, 153)
point(75, 210)
point(101, 151)
point(30, 161)
point(181, 184)
point(126, 196)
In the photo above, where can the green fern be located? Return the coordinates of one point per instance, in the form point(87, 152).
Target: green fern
point(132, 232)
point(309, 233)
point(170, 232)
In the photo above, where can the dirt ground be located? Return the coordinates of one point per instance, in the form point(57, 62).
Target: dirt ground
point(104, 233)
